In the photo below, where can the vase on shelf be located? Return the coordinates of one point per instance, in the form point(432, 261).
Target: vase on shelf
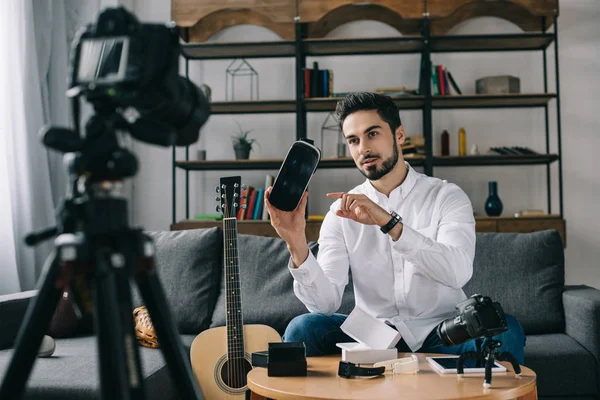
point(493, 204)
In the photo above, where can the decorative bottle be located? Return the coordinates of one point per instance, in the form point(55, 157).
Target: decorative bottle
point(493, 204)
point(462, 142)
point(445, 143)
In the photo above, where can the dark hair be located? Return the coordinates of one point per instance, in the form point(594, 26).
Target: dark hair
point(360, 101)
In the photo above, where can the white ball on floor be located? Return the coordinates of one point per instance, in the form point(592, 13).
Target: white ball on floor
point(47, 347)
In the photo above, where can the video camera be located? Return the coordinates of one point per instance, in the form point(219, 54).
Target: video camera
point(477, 317)
point(122, 64)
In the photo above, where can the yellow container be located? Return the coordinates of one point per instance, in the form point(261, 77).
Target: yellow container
point(462, 142)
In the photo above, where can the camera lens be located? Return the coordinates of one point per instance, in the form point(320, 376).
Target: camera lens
point(453, 331)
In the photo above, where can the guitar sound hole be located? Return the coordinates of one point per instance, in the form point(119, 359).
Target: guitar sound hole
point(234, 372)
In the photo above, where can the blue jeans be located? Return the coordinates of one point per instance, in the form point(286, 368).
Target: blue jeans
point(321, 332)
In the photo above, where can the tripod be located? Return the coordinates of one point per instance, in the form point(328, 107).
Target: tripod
point(489, 354)
point(96, 253)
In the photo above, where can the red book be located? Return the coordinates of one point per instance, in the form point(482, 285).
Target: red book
point(440, 73)
point(306, 83)
point(250, 204)
point(241, 215)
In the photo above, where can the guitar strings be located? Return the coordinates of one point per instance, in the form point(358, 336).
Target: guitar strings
point(227, 287)
point(232, 370)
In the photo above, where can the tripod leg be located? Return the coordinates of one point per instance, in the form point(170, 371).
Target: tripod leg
point(459, 365)
point(168, 336)
point(506, 356)
point(120, 374)
point(489, 363)
point(36, 321)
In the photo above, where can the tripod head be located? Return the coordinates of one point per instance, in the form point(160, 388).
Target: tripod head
point(96, 165)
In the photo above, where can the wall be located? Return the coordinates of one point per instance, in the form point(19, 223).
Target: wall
point(519, 187)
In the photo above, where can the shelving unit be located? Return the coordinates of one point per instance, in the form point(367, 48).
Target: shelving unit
point(425, 45)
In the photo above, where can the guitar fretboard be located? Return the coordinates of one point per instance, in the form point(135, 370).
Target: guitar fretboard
point(234, 317)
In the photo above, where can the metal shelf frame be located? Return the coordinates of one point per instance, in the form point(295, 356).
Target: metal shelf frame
point(426, 44)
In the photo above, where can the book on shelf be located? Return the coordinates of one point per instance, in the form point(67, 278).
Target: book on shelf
point(442, 81)
point(318, 82)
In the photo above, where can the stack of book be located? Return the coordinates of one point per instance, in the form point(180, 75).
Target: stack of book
point(441, 80)
point(255, 205)
point(318, 82)
point(414, 146)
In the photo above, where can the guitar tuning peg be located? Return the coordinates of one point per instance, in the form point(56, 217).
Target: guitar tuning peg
point(217, 198)
point(218, 189)
point(244, 187)
point(218, 208)
point(236, 195)
point(235, 205)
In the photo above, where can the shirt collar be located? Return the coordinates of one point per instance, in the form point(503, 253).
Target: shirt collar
point(403, 190)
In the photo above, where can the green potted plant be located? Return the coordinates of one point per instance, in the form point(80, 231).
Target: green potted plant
point(242, 144)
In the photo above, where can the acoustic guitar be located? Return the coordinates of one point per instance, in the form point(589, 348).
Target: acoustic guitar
point(221, 357)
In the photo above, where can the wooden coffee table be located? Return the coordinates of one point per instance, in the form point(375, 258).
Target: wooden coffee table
point(322, 382)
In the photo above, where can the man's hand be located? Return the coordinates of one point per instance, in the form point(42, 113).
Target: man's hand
point(290, 226)
point(360, 208)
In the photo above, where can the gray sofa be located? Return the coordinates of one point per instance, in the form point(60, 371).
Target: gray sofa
point(524, 272)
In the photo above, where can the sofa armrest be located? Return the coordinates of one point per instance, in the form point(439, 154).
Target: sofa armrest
point(12, 311)
point(582, 316)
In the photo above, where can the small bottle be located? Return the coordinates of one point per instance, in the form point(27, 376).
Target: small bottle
point(462, 142)
point(445, 143)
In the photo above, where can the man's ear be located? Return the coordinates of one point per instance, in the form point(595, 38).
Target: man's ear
point(400, 135)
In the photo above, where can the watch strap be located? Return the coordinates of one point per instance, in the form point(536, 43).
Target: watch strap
point(391, 223)
point(347, 370)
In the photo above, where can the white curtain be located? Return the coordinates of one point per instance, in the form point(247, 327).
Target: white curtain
point(32, 40)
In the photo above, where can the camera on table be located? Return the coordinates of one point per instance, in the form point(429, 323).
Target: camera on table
point(477, 316)
point(121, 64)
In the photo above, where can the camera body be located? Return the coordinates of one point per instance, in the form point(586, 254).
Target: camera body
point(120, 63)
point(476, 317)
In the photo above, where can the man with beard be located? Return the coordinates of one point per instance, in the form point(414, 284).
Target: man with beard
point(408, 239)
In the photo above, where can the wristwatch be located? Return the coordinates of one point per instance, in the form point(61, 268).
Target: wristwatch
point(348, 370)
point(392, 223)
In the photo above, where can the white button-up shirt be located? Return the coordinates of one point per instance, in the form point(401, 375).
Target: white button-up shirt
point(413, 283)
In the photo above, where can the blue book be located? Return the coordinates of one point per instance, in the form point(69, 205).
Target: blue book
point(258, 204)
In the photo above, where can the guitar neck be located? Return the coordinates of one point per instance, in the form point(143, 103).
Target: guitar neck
point(234, 317)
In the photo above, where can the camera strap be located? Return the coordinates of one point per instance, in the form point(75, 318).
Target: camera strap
point(349, 370)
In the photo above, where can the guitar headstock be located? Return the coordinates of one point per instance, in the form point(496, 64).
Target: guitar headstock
point(230, 196)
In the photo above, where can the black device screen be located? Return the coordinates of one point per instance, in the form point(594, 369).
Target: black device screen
point(102, 60)
point(295, 173)
point(452, 363)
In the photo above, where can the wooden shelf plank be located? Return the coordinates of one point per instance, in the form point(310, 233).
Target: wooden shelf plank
point(329, 103)
point(482, 224)
point(258, 164)
point(347, 162)
point(253, 107)
point(390, 45)
point(216, 51)
point(487, 43)
point(386, 45)
point(492, 160)
point(326, 104)
point(492, 101)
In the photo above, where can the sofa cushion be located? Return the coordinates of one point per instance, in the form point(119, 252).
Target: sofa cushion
point(189, 269)
point(72, 372)
point(267, 285)
point(563, 367)
point(525, 273)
